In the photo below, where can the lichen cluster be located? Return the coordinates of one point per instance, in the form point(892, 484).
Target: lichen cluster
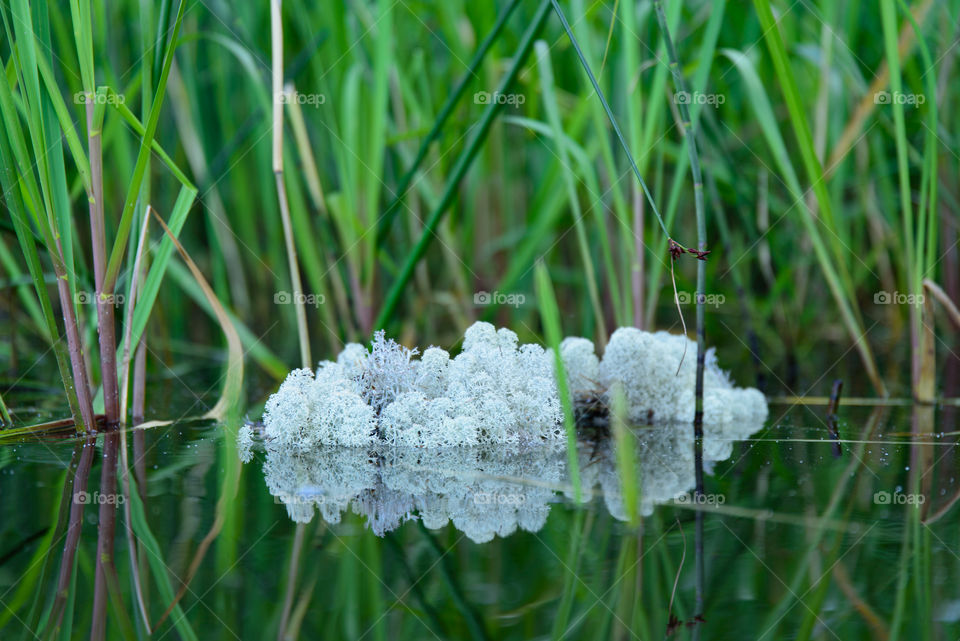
point(494, 392)
point(657, 372)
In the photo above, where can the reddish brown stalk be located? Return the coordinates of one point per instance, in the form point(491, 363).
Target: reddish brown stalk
point(74, 345)
point(73, 529)
point(106, 328)
point(106, 529)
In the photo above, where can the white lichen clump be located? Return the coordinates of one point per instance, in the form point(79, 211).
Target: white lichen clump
point(658, 377)
point(494, 392)
point(325, 409)
point(245, 443)
point(582, 367)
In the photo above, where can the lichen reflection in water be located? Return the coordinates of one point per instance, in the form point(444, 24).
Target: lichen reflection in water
point(484, 492)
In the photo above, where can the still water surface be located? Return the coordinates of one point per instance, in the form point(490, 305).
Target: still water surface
point(470, 543)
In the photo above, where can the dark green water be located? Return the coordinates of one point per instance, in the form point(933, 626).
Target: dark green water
point(797, 543)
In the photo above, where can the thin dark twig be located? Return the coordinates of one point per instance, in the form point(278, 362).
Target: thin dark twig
point(606, 107)
point(832, 408)
point(701, 254)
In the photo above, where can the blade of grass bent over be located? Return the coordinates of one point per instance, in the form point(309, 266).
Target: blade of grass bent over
point(606, 107)
point(232, 385)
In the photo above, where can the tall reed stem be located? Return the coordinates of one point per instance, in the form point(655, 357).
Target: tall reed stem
point(681, 88)
point(106, 327)
point(279, 98)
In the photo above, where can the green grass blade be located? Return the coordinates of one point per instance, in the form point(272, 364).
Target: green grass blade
point(158, 266)
point(550, 317)
point(386, 221)
point(553, 117)
point(613, 121)
point(460, 169)
point(146, 144)
point(834, 268)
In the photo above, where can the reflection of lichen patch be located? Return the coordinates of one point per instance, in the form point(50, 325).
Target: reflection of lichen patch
point(461, 485)
point(485, 491)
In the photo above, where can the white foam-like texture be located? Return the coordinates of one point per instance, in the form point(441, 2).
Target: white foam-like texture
point(495, 391)
point(433, 371)
point(581, 366)
point(507, 389)
point(658, 374)
point(308, 411)
point(387, 372)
